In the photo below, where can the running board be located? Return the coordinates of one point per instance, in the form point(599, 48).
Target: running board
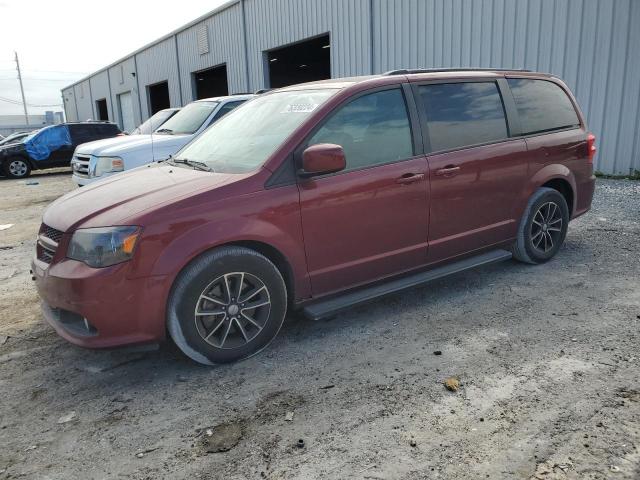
point(327, 308)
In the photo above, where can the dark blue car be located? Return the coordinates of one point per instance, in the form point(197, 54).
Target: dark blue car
point(51, 146)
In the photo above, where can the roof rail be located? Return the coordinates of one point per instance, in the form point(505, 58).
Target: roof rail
point(409, 71)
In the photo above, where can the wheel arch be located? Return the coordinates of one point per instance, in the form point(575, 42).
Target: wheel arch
point(564, 187)
point(272, 253)
point(276, 257)
point(561, 179)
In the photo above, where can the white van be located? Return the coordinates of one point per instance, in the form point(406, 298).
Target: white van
point(97, 160)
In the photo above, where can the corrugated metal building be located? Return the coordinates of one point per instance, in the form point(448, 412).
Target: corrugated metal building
point(593, 45)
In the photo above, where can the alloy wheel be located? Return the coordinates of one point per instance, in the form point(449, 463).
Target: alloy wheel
point(232, 310)
point(546, 227)
point(18, 168)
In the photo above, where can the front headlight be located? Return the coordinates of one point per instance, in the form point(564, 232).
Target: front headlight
point(104, 246)
point(108, 164)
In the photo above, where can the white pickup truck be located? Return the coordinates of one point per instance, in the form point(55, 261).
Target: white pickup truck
point(94, 161)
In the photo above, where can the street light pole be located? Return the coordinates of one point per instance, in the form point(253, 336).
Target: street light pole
point(24, 102)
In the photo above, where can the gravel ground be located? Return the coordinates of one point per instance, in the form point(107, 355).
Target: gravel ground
point(546, 356)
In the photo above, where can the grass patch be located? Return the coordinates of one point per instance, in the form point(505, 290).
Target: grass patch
point(635, 175)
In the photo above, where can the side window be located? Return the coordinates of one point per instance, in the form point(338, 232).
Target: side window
point(78, 134)
point(107, 130)
point(95, 132)
point(543, 106)
point(372, 129)
point(226, 108)
point(463, 114)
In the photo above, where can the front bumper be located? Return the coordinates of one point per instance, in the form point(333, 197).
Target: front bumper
point(81, 181)
point(101, 307)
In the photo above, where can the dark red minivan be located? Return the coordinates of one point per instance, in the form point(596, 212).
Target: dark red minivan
point(317, 196)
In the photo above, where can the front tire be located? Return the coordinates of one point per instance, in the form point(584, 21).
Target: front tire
point(543, 227)
point(226, 305)
point(17, 167)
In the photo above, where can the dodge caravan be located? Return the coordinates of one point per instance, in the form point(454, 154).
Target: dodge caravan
point(317, 197)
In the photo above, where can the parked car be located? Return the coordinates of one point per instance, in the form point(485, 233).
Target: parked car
point(98, 160)
point(51, 146)
point(14, 138)
point(154, 122)
point(317, 197)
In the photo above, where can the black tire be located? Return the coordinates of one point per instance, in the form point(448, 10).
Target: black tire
point(16, 167)
point(202, 286)
point(543, 227)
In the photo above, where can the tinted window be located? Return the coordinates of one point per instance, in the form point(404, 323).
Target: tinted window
point(80, 133)
point(372, 129)
point(542, 105)
point(463, 114)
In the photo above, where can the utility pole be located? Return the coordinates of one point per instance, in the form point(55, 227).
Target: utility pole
point(24, 102)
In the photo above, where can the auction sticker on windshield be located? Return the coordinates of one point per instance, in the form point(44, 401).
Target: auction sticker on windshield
point(300, 108)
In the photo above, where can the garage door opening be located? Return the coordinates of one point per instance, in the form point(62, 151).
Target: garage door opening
point(211, 82)
point(101, 108)
point(302, 62)
point(158, 97)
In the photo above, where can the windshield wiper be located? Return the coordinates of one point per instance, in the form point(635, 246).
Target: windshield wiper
point(164, 130)
point(192, 163)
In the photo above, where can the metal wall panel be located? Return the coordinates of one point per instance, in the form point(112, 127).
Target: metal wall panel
point(158, 64)
point(70, 111)
point(592, 44)
point(121, 80)
point(226, 46)
point(82, 93)
point(276, 23)
point(99, 90)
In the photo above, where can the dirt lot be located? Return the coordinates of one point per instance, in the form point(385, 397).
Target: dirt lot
point(547, 358)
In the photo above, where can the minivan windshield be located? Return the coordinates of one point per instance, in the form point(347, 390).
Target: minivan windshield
point(188, 120)
point(245, 138)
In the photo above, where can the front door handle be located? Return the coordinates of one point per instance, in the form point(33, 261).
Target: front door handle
point(448, 171)
point(410, 178)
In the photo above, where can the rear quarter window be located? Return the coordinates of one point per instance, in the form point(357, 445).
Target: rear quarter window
point(542, 106)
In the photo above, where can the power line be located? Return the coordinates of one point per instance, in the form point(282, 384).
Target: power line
point(18, 102)
point(36, 79)
point(61, 72)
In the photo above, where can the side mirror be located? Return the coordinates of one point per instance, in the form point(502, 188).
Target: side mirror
point(321, 159)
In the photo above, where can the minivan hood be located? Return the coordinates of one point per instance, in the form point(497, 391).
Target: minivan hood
point(117, 146)
point(120, 198)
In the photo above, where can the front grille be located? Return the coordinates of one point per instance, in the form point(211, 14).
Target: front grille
point(51, 233)
point(45, 255)
point(73, 322)
point(80, 165)
point(48, 240)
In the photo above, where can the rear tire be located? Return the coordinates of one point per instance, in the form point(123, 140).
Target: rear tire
point(226, 305)
point(16, 167)
point(543, 227)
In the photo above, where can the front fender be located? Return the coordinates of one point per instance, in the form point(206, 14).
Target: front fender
point(270, 217)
